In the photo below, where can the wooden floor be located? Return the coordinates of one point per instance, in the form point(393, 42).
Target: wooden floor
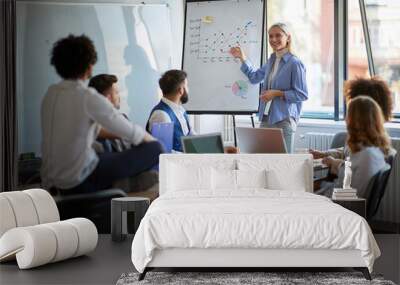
point(110, 260)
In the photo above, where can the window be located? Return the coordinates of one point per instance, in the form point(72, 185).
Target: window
point(312, 24)
point(383, 18)
point(357, 54)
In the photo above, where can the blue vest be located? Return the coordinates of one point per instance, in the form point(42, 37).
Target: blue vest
point(178, 132)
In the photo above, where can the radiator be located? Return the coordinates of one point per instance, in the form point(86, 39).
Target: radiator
point(319, 141)
point(228, 134)
point(389, 210)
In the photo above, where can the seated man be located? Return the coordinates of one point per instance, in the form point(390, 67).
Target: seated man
point(173, 84)
point(71, 116)
point(375, 88)
point(106, 85)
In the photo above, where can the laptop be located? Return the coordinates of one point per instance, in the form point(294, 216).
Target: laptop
point(164, 133)
point(260, 140)
point(209, 143)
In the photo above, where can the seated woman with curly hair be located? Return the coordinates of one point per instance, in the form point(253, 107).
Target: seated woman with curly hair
point(368, 145)
point(375, 88)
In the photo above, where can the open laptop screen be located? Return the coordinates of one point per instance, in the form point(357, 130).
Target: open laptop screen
point(260, 140)
point(210, 143)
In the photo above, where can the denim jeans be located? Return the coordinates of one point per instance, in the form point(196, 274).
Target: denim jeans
point(288, 127)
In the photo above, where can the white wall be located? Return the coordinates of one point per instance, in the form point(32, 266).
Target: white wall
point(135, 41)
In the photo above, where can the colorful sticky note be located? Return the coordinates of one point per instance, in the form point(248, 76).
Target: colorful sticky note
point(208, 19)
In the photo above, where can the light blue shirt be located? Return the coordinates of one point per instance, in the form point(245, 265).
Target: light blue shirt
point(290, 78)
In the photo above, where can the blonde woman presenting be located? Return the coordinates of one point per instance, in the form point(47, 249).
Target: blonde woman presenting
point(284, 83)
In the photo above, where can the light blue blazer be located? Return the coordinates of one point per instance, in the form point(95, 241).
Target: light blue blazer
point(290, 78)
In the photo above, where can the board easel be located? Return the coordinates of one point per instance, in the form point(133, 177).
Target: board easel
point(234, 127)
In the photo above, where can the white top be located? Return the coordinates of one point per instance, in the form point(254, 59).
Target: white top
point(70, 115)
point(272, 75)
point(160, 116)
point(274, 69)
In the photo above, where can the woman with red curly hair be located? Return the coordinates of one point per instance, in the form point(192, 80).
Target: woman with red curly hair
point(375, 88)
point(368, 144)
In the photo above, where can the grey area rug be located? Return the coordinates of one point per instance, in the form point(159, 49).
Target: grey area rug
point(229, 278)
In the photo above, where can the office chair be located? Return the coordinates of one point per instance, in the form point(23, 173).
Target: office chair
point(377, 187)
point(339, 140)
point(94, 206)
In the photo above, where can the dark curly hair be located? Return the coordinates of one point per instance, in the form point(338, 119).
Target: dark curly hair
point(171, 80)
point(72, 56)
point(376, 88)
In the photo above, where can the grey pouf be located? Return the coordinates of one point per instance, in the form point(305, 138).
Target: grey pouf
point(119, 209)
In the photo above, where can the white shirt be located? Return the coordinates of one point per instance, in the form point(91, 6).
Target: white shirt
point(70, 116)
point(274, 70)
point(160, 116)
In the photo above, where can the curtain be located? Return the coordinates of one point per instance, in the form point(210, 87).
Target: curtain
point(8, 99)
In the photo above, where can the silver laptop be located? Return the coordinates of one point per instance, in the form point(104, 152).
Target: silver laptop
point(209, 143)
point(260, 140)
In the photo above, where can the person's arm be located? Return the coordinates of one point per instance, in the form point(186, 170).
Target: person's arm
point(104, 134)
point(333, 164)
point(231, 149)
point(317, 154)
point(337, 153)
point(298, 91)
point(334, 152)
point(104, 113)
point(255, 75)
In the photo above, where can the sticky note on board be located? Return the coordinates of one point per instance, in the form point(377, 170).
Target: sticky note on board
point(208, 19)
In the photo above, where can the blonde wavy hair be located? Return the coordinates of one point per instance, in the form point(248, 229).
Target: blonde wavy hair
point(365, 125)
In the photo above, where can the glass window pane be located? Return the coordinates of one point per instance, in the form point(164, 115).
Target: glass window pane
point(357, 52)
point(383, 19)
point(312, 24)
point(132, 42)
